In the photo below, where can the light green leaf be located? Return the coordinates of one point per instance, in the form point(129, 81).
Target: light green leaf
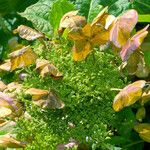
point(38, 14)
point(144, 18)
point(94, 9)
point(58, 9)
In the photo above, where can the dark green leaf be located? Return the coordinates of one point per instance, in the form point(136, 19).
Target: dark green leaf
point(38, 14)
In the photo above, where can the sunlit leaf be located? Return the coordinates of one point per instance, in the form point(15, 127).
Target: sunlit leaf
point(71, 20)
point(59, 8)
point(128, 95)
point(36, 93)
point(52, 101)
point(28, 33)
point(2, 86)
point(133, 43)
point(9, 142)
point(121, 30)
point(144, 131)
point(140, 115)
point(22, 57)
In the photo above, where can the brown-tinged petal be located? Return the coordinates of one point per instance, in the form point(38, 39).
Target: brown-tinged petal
point(9, 142)
point(2, 86)
point(41, 63)
point(36, 93)
point(28, 33)
point(6, 66)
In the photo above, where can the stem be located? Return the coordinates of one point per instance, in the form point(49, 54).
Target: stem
point(115, 89)
point(134, 143)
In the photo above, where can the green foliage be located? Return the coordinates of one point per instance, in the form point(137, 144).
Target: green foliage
point(144, 18)
point(141, 6)
point(94, 9)
point(85, 90)
point(38, 14)
point(59, 8)
point(9, 6)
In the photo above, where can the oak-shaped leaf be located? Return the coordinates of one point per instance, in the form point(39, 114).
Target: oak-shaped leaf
point(71, 20)
point(46, 68)
point(9, 142)
point(133, 43)
point(122, 28)
point(22, 57)
point(144, 131)
point(36, 93)
point(52, 101)
point(128, 95)
point(28, 33)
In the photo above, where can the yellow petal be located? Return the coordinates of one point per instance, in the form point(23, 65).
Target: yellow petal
point(81, 50)
point(22, 57)
point(128, 95)
point(144, 131)
point(4, 112)
point(2, 86)
point(41, 63)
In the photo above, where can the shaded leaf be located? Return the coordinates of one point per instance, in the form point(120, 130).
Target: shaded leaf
point(140, 115)
point(128, 95)
point(133, 43)
point(28, 33)
point(144, 131)
point(121, 30)
point(36, 93)
point(22, 57)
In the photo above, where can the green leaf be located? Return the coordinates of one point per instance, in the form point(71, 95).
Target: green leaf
point(38, 14)
point(94, 9)
point(142, 6)
point(144, 18)
point(58, 9)
point(8, 6)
